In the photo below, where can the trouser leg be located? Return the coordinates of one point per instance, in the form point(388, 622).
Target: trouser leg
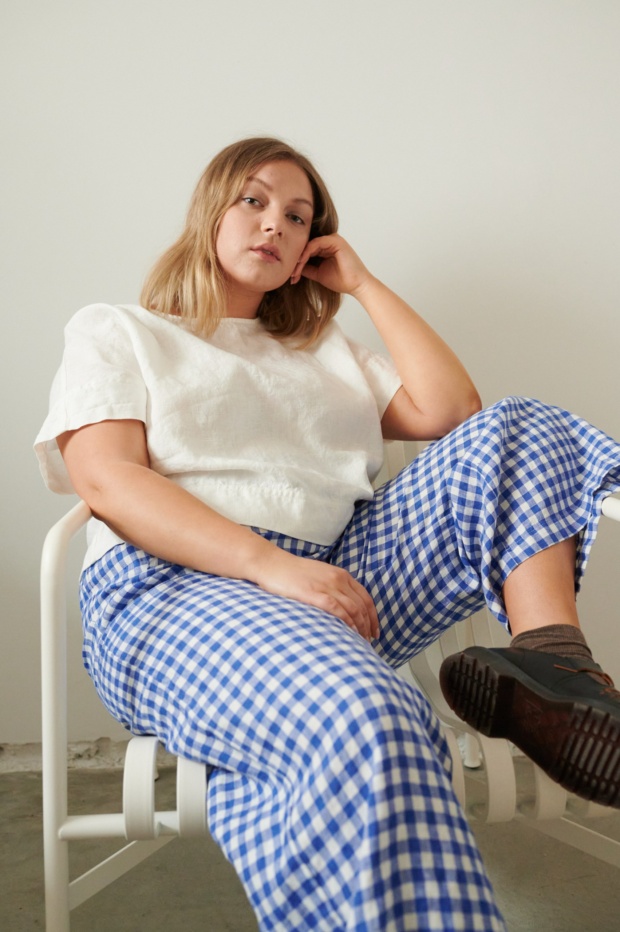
point(330, 790)
point(439, 540)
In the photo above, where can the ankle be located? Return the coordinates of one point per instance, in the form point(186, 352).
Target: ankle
point(563, 640)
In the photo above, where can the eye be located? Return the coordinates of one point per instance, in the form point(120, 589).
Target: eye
point(252, 201)
point(297, 219)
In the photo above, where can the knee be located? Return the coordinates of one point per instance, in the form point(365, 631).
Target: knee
point(522, 409)
point(385, 720)
point(519, 403)
point(527, 405)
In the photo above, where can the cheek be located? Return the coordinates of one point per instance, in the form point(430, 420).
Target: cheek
point(220, 239)
point(226, 222)
point(302, 241)
point(227, 232)
point(293, 257)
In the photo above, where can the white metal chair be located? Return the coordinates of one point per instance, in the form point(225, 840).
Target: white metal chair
point(147, 830)
point(138, 823)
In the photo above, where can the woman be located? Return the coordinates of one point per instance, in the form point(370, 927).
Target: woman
point(246, 596)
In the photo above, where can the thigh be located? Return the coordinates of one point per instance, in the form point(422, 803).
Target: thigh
point(325, 764)
point(405, 547)
point(226, 673)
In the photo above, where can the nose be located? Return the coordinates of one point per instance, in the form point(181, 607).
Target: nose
point(272, 223)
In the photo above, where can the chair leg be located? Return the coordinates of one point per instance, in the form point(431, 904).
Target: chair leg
point(56, 857)
point(471, 757)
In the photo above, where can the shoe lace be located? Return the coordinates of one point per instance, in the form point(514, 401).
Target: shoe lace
point(603, 678)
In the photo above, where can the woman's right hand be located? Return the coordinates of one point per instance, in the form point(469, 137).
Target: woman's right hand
point(319, 584)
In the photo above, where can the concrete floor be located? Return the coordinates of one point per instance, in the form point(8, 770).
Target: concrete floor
point(540, 883)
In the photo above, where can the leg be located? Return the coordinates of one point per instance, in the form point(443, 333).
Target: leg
point(329, 788)
point(503, 510)
point(540, 601)
point(541, 590)
point(540, 476)
point(544, 693)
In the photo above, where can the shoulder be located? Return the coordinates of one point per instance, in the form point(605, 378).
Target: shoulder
point(112, 322)
point(102, 315)
point(332, 335)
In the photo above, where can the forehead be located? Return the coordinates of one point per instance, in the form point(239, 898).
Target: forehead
point(285, 177)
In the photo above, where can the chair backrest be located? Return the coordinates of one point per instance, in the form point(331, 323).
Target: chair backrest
point(139, 823)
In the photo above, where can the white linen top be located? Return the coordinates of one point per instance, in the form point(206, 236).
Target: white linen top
point(267, 435)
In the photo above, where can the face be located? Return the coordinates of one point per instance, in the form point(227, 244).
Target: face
point(261, 237)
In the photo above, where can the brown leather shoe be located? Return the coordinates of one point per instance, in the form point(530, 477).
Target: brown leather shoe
point(563, 713)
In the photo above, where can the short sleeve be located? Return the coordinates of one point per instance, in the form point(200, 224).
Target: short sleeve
point(99, 379)
point(380, 373)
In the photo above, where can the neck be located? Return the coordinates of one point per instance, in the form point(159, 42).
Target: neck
point(242, 303)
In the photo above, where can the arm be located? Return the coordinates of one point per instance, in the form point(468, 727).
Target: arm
point(437, 392)
point(109, 467)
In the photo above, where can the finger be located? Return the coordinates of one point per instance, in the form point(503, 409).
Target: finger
point(353, 611)
point(309, 271)
point(357, 600)
point(312, 248)
point(370, 607)
point(322, 247)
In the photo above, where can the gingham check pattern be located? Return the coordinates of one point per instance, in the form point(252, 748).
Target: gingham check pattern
point(329, 789)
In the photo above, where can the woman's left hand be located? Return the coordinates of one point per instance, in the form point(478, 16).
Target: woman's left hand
point(339, 268)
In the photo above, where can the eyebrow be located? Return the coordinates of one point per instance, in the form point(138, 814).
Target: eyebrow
point(296, 200)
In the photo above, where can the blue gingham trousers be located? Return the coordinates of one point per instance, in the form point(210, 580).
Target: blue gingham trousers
point(329, 786)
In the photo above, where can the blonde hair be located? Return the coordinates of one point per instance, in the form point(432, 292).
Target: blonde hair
point(187, 279)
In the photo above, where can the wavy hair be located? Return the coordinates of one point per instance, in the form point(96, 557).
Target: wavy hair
point(187, 279)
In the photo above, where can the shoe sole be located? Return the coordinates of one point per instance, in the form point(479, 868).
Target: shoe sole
point(576, 744)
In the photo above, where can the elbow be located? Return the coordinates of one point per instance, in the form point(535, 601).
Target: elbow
point(474, 404)
point(470, 405)
point(95, 495)
point(467, 406)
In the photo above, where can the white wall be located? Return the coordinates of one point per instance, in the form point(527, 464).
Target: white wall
point(472, 149)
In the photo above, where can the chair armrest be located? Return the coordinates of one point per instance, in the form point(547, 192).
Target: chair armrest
point(611, 507)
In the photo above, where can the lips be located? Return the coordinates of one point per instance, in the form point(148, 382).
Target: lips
point(268, 251)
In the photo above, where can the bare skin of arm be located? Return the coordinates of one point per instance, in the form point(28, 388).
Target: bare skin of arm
point(437, 393)
point(109, 466)
point(436, 396)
